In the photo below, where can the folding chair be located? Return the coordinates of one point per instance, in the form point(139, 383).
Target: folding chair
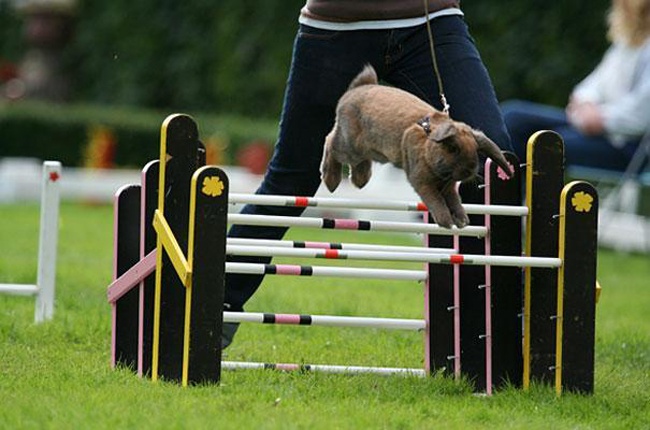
point(624, 197)
point(621, 225)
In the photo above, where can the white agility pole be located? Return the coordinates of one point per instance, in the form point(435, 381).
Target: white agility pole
point(328, 245)
point(324, 320)
point(47, 244)
point(350, 224)
point(289, 367)
point(324, 271)
point(423, 256)
point(48, 241)
point(396, 205)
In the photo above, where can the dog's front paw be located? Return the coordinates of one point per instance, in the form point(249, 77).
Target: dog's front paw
point(443, 218)
point(361, 173)
point(460, 219)
point(331, 181)
point(331, 174)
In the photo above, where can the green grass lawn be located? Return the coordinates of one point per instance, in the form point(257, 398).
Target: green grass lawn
point(57, 374)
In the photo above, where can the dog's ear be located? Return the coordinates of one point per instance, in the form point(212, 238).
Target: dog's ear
point(443, 132)
point(490, 149)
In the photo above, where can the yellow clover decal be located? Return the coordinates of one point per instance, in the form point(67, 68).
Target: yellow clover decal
point(212, 186)
point(582, 201)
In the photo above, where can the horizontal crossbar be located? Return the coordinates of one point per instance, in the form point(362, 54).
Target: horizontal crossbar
point(325, 271)
point(288, 367)
point(324, 320)
point(353, 224)
point(395, 205)
point(423, 256)
point(19, 289)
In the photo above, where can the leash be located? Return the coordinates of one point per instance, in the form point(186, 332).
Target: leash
point(436, 71)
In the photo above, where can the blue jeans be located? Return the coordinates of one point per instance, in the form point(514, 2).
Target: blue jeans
point(525, 118)
point(323, 64)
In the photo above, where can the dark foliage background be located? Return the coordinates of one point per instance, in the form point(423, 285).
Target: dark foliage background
point(233, 55)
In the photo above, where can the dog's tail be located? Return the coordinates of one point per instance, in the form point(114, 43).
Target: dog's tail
point(368, 76)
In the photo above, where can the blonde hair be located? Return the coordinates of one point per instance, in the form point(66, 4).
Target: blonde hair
point(629, 21)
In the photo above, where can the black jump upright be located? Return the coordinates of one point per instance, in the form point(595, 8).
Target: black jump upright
point(170, 326)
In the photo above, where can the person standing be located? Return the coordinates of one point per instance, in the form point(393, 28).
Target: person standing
point(336, 38)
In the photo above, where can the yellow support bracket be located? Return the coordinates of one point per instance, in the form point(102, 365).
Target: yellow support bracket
point(172, 248)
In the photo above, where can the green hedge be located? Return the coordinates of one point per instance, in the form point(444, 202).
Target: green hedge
point(62, 132)
point(233, 55)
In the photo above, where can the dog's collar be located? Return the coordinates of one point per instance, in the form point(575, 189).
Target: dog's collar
point(425, 123)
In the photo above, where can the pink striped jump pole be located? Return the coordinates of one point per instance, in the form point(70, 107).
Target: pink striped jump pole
point(331, 245)
point(396, 205)
point(325, 320)
point(351, 224)
point(325, 271)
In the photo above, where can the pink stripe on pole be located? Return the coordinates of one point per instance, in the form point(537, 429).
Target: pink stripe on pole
point(113, 306)
point(457, 334)
point(319, 245)
point(488, 283)
point(287, 367)
point(113, 335)
point(427, 325)
point(346, 224)
point(287, 319)
point(141, 299)
point(287, 269)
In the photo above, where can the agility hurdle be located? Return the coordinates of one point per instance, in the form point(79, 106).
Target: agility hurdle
point(44, 288)
point(485, 345)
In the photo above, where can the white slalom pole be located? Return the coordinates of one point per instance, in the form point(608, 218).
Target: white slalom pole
point(396, 205)
point(347, 224)
point(469, 259)
point(289, 367)
point(49, 226)
point(325, 320)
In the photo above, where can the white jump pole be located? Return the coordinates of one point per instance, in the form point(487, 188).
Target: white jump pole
point(350, 224)
point(289, 367)
point(47, 244)
point(325, 271)
point(396, 205)
point(423, 256)
point(325, 320)
point(328, 245)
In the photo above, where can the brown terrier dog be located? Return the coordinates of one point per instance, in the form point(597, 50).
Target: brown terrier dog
point(385, 124)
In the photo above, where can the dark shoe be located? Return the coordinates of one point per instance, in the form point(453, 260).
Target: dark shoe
point(228, 333)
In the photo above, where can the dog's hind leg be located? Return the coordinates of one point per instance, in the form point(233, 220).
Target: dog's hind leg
point(360, 173)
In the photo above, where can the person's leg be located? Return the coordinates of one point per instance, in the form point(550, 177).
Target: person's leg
point(465, 80)
point(593, 151)
point(524, 118)
point(322, 67)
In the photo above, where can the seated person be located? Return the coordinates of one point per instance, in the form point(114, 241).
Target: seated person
point(609, 111)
